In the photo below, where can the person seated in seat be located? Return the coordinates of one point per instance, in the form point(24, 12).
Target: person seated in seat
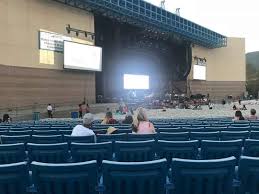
point(252, 115)
point(238, 116)
point(6, 118)
point(143, 126)
point(128, 119)
point(109, 120)
point(84, 130)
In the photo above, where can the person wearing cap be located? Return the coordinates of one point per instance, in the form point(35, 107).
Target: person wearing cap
point(84, 130)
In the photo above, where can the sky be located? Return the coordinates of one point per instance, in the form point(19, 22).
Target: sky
point(233, 18)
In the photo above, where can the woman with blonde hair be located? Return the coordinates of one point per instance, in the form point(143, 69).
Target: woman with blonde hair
point(142, 124)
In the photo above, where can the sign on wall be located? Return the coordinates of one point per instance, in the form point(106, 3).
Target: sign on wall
point(52, 41)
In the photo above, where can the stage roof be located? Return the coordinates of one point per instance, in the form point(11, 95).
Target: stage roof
point(154, 19)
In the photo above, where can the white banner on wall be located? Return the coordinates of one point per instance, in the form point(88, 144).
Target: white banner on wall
point(52, 41)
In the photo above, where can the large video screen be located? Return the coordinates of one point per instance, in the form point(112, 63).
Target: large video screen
point(82, 56)
point(199, 72)
point(136, 82)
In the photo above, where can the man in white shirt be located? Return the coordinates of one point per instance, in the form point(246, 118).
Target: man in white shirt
point(50, 109)
point(83, 130)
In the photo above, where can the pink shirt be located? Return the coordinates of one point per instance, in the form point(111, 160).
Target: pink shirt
point(145, 127)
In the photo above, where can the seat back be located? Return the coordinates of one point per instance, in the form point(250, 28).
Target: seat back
point(233, 135)
point(204, 136)
point(174, 136)
point(14, 178)
point(254, 135)
point(141, 137)
point(49, 139)
point(138, 178)
point(45, 132)
point(12, 153)
point(15, 139)
point(177, 149)
point(48, 153)
point(79, 139)
point(203, 176)
point(74, 178)
point(138, 151)
point(17, 133)
point(220, 149)
point(251, 148)
point(248, 175)
point(112, 138)
point(82, 152)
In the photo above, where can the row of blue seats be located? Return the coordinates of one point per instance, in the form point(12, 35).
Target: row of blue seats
point(185, 136)
point(188, 177)
point(124, 151)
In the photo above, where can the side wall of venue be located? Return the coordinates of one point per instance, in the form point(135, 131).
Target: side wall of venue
point(225, 72)
point(30, 75)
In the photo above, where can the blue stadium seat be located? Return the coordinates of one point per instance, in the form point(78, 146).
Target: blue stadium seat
point(220, 149)
point(40, 128)
point(14, 178)
point(248, 175)
point(113, 137)
point(138, 151)
point(48, 153)
point(134, 178)
point(17, 133)
point(177, 149)
point(12, 153)
point(162, 126)
point(49, 139)
point(254, 128)
point(75, 178)
point(215, 129)
point(79, 139)
point(100, 131)
point(82, 152)
point(203, 176)
point(204, 136)
point(251, 148)
point(58, 128)
point(194, 129)
point(45, 132)
point(65, 132)
point(174, 136)
point(15, 139)
point(172, 130)
point(233, 135)
point(122, 131)
point(254, 135)
point(232, 128)
point(141, 137)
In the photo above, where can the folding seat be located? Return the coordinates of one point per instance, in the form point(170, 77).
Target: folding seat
point(141, 137)
point(254, 135)
point(231, 128)
point(40, 139)
point(200, 126)
point(215, 129)
point(65, 132)
point(233, 135)
point(3, 132)
point(254, 128)
point(134, 177)
point(73, 178)
point(12, 153)
point(203, 176)
point(251, 148)
point(82, 152)
point(56, 127)
point(45, 132)
point(220, 149)
point(204, 136)
point(248, 175)
point(112, 138)
point(138, 151)
point(122, 131)
point(240, 124)
point(124, 127)
point(177, 149)
point(100, 131)
point(173, 136)
point(79, 139)
point(194, 129)
point(16, 133)
point(40, 128)
point(172, 130)
point(18, 128)
point(15, 139)
point(162, 126)
point(48, 153)
point(14, 178)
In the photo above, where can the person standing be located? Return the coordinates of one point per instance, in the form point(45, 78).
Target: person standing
point(50, 111)
point(80, 111)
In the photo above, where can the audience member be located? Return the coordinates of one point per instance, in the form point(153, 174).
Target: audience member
point(252, 115)
point(84, 130)
point(80, 111)
point(109, 119)
point(143, 126)
point(128, 119)
point(6, 118)
point(234, 107)
point(238, 116)
point(111, 130)
point(87, 108)
point(50, 111)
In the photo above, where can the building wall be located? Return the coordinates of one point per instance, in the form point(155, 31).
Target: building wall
point(30, 75)
point(226, 70)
